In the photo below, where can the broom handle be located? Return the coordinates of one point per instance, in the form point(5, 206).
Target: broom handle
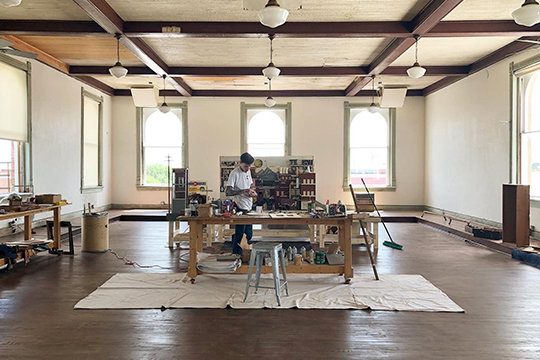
point(378, 213)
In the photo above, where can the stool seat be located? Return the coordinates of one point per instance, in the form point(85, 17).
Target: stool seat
point(275, 250)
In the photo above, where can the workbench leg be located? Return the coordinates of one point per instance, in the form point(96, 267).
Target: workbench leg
point(321, 236)
point(209, 234)
point(199, 233)
point(56, 229)
point(28, 227)
point(345, 239)
point(192, 268)
point(171, 234)
point(375, 235)
point(220, 232)
point(312, 233)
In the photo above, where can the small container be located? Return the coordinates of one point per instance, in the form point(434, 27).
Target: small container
point(298, 259)
point(294, 251)
point(311, 257)
point(290, 255)
point(320, 257)
point(303, 251)
point(268, 261)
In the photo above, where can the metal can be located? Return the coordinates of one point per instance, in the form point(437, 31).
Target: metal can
point(298, 259)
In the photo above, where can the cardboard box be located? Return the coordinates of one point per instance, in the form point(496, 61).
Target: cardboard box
point(48, 198)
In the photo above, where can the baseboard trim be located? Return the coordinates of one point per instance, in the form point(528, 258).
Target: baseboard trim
point(139, 206)
point(470, 218)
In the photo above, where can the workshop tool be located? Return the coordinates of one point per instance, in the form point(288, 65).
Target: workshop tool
point(390, 243)
point(368, 248)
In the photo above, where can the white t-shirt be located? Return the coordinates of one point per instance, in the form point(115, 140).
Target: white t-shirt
point(240, 180)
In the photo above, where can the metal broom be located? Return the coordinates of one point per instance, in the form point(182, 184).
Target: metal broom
point(390, 243)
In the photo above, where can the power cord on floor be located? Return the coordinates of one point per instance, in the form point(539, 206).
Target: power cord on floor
point(137, 265)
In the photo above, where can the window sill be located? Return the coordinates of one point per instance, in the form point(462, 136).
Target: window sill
point(372, 189)
point(152, 188)
point(91, 189)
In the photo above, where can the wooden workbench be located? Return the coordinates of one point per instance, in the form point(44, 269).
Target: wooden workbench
point(57, 244)
point(196, 225)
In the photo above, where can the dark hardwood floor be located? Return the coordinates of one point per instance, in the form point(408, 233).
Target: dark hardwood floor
point(501, 298)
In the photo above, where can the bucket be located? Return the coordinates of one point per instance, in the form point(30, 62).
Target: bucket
point(95, 232)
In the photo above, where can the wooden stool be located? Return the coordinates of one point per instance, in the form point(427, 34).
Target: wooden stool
point(50, 226)
point(257, 255)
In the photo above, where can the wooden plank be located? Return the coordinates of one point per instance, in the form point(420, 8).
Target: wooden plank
point(481, 28)
point(51, 28)
point(431, 15)
point(96, 84)
point(43, 57)
point(441, 84)
point(57, 244)
point(28, 212)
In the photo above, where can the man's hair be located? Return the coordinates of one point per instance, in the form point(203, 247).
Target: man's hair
point(246, 158)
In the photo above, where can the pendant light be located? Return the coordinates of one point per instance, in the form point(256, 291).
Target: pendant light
point(273, 15)
point(416, 71)
point(164, 108)
point(528, 14)
point(118, 71)
point(373, 108)
point(270, 71)
point(269, 102)
point(9, 3)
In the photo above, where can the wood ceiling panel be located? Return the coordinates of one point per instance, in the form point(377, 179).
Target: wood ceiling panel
point(231, 10)
point(452, 51)
point(484, 10)
point(44, 10)
point(258, 83)
point(82, 50)
point(129, 81)
point(256, 51)
point(413, 84)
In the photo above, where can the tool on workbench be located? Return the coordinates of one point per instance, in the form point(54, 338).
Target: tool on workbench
point(390, 243)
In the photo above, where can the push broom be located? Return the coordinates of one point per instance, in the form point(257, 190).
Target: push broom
point(390, 243)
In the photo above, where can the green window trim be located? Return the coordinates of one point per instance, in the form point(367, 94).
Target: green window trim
point(27, 167)
point(140, 159)
point(99, 186)
point(288, 124)
point(518, 69)
point(392, 186)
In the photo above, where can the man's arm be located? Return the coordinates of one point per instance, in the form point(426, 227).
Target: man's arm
point(229, 191)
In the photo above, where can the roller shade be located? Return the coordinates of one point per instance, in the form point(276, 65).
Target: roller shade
point(13, 103)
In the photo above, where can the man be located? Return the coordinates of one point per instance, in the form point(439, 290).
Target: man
point(239, 187)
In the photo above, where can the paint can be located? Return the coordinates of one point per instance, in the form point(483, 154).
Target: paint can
point(320, 257)
point(298, 259)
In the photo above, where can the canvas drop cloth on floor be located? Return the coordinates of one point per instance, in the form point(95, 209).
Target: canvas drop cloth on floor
point(306, 291)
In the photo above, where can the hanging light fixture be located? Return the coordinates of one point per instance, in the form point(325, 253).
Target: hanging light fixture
point(9, 3)
point(269, 102)
point(528, 14)
point(273, 15)
point(373, 108)
point(270, 71)
point(164, 108)
point(118, 71)
point(416, 71)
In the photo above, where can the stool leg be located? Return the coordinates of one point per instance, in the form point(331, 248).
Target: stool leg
point(250, 271)
point(275, 270)
point(70, 233)
point(258, 263)
point(282, 261)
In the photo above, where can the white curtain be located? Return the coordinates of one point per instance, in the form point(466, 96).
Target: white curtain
point(13, 103)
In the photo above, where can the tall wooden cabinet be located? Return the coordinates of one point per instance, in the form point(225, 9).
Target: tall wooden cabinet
point(516, 209)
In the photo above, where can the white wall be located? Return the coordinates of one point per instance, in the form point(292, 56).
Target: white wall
point(468, 144)
point(317, 129)
point(56, 139)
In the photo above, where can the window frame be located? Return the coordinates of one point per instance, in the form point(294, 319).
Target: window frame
point(140, 157)
point(517, 71)
point(244, 124)
point(25, 166)
point(392, 186)
point(99, 99)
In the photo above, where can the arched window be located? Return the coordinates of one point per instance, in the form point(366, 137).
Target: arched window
point(368, 139)
point(530, 134)
point(266, 133)
point(162, 138)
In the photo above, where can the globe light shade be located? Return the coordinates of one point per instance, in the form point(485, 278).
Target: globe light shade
point(271, 71)
point(118, 71)
point(9, 3)
point(273, 15)
point(528, 14)
point(373, 108)
point(416, 71)
point(269, 102)
point(164, 108)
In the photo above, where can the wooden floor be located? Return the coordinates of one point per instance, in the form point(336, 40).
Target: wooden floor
point(501, 298)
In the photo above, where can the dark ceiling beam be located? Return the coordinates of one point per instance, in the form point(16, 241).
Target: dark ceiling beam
point(493, 58)
point(51, 28)
point(256, 71)
point(105, 16)
point(423, 22)
point(481, 28)
point(96, 84)
point(264, 93)
point(256, 29)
